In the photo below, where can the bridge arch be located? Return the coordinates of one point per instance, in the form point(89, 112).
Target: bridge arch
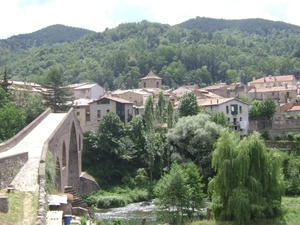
point(73, 163)
point(57, 175)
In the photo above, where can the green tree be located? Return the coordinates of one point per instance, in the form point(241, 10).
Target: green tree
point(193, 138)
point(3, 97)
point(149, 113)
point(220, 118)
point(170, 114)
point(11, 120)
point(254, 109)
point(173, 192)
point(188, 105)
point(160, 107)
point(4, 83)
point(232, 76)
point(58, 96)
point(32, 108)
point(268, 108)
point(194, 180)
point(248, 185)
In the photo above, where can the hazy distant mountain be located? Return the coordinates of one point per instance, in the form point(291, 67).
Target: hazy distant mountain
point(47, 36)
point(258, 26)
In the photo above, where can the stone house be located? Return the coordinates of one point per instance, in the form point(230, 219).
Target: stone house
point(136, 96)
point(151, 81)
point(218, 89)
point(100, 107)
point(236, 111)
point(204, 94)
point(273, 81)
point(89, 91)
point(281, 94)
point(82, 110)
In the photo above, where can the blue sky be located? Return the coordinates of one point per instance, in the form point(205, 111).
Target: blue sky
point(26, 16)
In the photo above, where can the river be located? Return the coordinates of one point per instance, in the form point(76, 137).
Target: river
point(132, 213)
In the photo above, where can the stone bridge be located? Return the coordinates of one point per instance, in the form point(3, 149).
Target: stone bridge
point(23, 158)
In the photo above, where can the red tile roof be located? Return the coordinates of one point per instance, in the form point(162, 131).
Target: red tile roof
point(216, 101)
point(272, 79)
point(295, 108)
point(120, 100)
point(151, 75)
point(274, 89)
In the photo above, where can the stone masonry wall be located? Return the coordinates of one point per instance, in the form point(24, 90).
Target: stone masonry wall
point(275, 127)
point(4, 204)
point(88, 185)
point(10, 166)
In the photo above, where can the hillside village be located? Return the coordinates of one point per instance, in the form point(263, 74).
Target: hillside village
point(92, 101)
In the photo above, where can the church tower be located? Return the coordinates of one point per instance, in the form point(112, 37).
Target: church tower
point(151, 81)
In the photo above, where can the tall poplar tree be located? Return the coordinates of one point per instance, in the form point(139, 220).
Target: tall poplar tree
point(58, 95)
point(248, 185)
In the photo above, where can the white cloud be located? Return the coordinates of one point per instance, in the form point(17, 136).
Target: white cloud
point(97, 15)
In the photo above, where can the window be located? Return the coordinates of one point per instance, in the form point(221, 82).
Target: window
point(77, 113)
point(99, 113)
point(157, 85)
point(108, 111)
point(227, 109)
point(103, 101)
point(240, 109)
point(234, 109)
point(211, 108)
point(240, 118)
point(272, 93)
point(234, 121)
point(144, 85)
point(228, 120)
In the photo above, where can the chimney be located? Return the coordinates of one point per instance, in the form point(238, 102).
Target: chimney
point(253, 78)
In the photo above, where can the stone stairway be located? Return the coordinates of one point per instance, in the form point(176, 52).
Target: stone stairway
point(77, 200)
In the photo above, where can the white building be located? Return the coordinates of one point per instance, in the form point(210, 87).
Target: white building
point(236, 111)
point(90, 91)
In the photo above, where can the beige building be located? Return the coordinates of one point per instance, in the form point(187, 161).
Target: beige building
point(236, 111)
point(100, 107)
point(136, 96)
point(218, 89)
point(151, 81)
point(82, 110)
point(281, 94)
point(273, 81)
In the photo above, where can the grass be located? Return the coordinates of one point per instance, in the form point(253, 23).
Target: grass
point(22, 208)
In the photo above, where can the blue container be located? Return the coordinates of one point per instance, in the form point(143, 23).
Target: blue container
point(67, 219)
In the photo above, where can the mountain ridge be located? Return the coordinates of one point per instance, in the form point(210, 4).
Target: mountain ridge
point(49, 35)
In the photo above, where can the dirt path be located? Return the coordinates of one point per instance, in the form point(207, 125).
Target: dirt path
point(29, 209)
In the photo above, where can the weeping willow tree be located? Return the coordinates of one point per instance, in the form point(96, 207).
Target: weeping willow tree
point(248, 185)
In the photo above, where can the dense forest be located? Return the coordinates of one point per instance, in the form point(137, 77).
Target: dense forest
point(230, 51)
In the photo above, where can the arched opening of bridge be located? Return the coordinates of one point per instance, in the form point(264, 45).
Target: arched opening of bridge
point(57, 175)
point(64, 155)
point(73, 179)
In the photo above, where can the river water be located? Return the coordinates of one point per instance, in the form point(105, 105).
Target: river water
point(132, 213)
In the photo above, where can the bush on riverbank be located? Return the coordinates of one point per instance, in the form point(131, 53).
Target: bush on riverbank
point(117, 197)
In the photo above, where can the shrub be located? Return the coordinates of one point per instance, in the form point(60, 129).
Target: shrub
point(111, 202)
point(277, 138)
point(138, 195)
point(265, 135)
point(290, 136)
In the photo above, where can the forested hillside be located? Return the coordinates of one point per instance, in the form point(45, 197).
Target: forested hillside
point(47, 36)
point(119, 57)
point(257, 26)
